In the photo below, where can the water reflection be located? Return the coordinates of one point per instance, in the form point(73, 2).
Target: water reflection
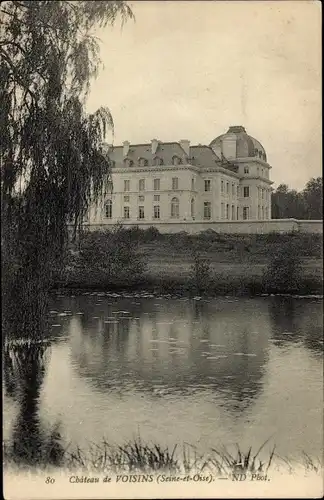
point(24, 367)
point(179, 348)
point(180, 369)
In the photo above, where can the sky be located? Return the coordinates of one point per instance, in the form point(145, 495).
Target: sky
point(189, 70)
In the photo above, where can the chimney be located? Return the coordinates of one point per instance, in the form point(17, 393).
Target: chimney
point(125, 148)
point(154, 143)
point(229, 145)
point(185, 144)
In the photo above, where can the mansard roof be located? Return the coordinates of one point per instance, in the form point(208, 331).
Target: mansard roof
point(200, 155)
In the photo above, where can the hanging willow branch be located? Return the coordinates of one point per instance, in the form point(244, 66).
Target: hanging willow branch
point(52, 161)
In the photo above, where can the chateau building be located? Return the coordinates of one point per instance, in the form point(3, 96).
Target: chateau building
point(162, 182)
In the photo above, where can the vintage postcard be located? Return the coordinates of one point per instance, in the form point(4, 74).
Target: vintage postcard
point(161, 241)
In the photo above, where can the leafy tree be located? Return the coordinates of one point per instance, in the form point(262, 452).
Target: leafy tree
point(313, 198)
point(52, 161)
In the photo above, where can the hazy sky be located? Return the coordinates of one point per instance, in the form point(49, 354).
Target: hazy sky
point(189, 70)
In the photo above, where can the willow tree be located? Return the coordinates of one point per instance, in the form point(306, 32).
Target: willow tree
point(52, 160)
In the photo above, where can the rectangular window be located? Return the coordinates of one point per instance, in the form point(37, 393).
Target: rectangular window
point(233, 189)
point(222, 186)
point(156, 197)
point(108, 209)
point(207, 210)
point(245, 213)
point(193, 184)
point(262, 194)
point(156, 212)
point(246, 191)
point(141, 212)
point(238, 191)
point(126, 185)
point(141, 198)
point(222, 211)
point(207, 185)
point(156, 184)
point(233, 212)
point(126, 199)
point(175, 183)
point(227, 187)
point(141, 185)
point(227, 211)
point(237, 213)
point(246, 170)
point(126, 212)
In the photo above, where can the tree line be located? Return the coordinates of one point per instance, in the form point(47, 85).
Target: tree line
point(306, 204)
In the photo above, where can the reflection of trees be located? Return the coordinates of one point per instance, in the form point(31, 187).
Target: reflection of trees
point(302, 318)
point(24, 370)
point(159, 349)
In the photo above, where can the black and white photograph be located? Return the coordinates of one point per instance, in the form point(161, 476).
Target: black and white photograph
point(161, 249)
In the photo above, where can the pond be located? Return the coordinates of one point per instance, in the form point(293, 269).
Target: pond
point(173, 371)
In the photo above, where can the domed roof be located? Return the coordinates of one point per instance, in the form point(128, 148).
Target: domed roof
point(246, 145)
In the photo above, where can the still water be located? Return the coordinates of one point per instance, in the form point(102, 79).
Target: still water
point(174, 370)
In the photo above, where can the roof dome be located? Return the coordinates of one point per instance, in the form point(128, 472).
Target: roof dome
point(246, 146)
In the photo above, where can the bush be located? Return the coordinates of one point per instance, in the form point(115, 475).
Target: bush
point(106, 258)
point(200, 274)
point(284, 271)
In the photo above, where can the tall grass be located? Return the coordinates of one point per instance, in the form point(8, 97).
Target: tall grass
point(134, 456)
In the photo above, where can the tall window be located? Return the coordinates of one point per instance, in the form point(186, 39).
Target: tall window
point(127, 185)
point(227, 187)
point(246, 191)
point(175, 183)
point(126, 212)
point(233, 189)
point(110, 186)
point(233, 212)
point(222, 186)
point(238, 191)
point(156, 212)
point(141, 212)
point(227, 211)
point(262, 193)
point(175, 208)
point(108, 209)
point(156, 184)
point(192, 207)
point(207, 210)
point(267, 213)
point(222, 211)
point(207, 185)
point(245, 213)
point(192, 184)
point(141, 184)
point(246, 170)
point(237, 213)
point(259, 212)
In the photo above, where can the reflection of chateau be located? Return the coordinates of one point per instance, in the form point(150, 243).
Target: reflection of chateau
point(175, 348)
point(174, 182)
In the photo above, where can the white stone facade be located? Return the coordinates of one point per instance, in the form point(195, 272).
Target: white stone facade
point(173, 182)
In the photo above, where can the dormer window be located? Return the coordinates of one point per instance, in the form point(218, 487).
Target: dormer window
point(260, 154)
point(158, 161)
point(176, 160)
point(142, 162)
point(128, 162)
point(256, 152)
